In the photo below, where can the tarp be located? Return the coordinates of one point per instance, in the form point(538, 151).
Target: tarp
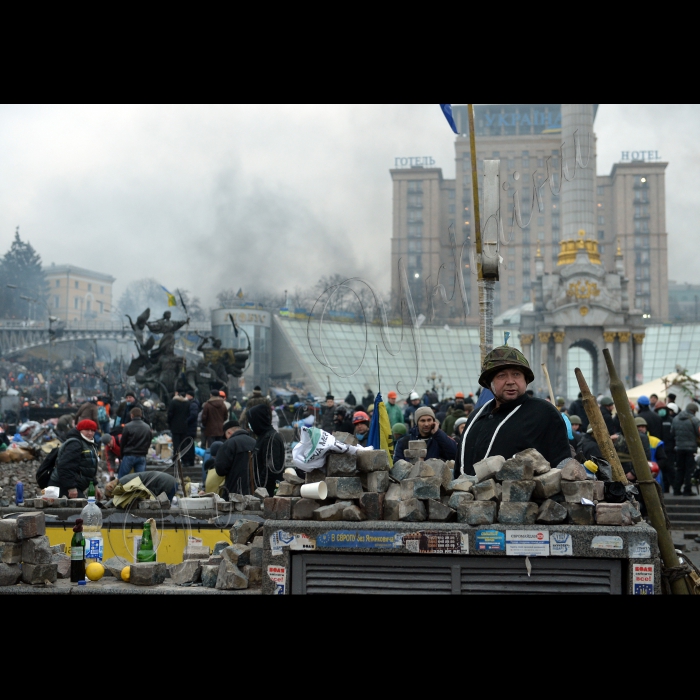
point(659, 387)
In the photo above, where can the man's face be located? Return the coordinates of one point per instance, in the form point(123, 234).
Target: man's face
point(88, 434)
point(329, 403)
point(392, 400)
point(425, 425)
point(609, 408)
point(653, 399)
point(415, 402)
point(642, 428)
point(576, 427)
point(361, 429)
point(508, 384)
point(230, 432)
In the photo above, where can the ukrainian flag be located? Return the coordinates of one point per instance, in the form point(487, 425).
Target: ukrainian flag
point(172, 301)
point(380, 429)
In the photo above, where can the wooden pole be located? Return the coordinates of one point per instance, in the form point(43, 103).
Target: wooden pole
point(600, 430)
point(549, 383)
point(643, 472)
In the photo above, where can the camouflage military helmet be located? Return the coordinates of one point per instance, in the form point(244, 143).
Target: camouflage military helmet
point(500, 358)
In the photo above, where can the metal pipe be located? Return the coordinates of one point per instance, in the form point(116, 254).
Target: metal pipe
point(643, 472)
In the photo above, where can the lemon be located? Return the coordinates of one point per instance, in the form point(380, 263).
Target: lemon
point(126, 573)
point(95, 571)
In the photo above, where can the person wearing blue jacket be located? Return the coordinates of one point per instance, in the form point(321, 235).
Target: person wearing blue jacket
point(438, 443)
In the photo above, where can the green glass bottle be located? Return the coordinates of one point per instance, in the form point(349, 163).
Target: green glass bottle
point(146, 552)
point(77, 553)
point(91, 490)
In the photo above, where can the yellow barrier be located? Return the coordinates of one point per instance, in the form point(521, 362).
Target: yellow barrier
point(119, 541)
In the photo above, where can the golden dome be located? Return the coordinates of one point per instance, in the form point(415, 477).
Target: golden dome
point(569, 249)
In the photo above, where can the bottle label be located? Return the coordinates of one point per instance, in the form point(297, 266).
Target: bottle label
point(77, 553)
point(94, 548)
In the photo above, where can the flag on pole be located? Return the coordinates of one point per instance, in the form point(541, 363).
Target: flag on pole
point(239, 293)
point(172, 301)
point(447, 111)
point(380, 429)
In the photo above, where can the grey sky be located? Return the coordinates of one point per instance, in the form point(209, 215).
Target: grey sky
point(209, 197)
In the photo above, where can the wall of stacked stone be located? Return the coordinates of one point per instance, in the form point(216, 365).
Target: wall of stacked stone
point(523, 490)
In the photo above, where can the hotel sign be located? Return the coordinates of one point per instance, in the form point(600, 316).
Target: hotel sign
point(647, 156)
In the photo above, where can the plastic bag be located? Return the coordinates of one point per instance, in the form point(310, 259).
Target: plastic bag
point(311, 450)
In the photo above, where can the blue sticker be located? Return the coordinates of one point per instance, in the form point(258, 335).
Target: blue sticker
point(360, 539)
point(643, 589)
point(490, 541)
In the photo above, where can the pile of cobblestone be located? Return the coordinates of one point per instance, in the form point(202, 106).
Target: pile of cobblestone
point(519, 491)
point(25, 552)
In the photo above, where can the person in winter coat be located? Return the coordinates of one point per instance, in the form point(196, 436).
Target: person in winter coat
point(328, 413)
point(135, 443)
point(214, 415)
point(76, 464)
point(413, 406)
point(653, 419)
point(123, 416)
point(577, 409)
point(193, 407)
point(211, 481)
point(512, 421)
point(269, 448)
point(611, 422)
point(235, 460)
point(393, 411)
point(685, 430)
point(255, 399)
point(438, 443)
point(178, 413)
point(350, 399)
point(342, 421)
point(87, 411)
point(457, 412)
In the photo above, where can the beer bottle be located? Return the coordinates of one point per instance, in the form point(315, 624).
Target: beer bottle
point(77, 553)
point(146, 552)
point(91, 490)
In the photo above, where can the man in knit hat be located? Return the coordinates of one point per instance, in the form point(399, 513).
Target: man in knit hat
point(512, 421)
point(427, 428)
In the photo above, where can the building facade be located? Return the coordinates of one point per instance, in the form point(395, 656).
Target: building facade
point(433, 222)
point(79, 295)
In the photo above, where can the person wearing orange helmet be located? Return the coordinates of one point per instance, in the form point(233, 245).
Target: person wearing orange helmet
point(360, 424)
point(394, 412)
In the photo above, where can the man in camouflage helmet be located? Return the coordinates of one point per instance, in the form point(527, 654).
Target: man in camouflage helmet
point(512, 421)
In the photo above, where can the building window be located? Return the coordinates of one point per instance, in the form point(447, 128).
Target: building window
point(601, 235)
point(641, 181)
point(451, 208)
point(540, 220)
point(412, 260)
point(89, 287)
point(601, 248)
point(415, 186)
point(102, 308)
point(496, 154)
point(511, 280)
point(55, 302)
point(555, 236)
point(601, 220)
point(511, 163)
point(415, 246)
point(102, 290)
point(555, 221)
point(75, 302)
point(526, 237)
point(600, 189)
point(641, 226)
point(415, 215)
point(540, 235)
point(642, 257)
point(76, 285)
point(88, 306)
point(641, 212)
point(526, 252)
point(540, 162)
point(415, 230)
point(511, 264)
point(58, 283)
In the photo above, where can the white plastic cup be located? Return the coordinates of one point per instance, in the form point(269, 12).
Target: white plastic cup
point(319, 491)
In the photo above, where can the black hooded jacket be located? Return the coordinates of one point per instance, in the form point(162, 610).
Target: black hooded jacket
point(234, 460)
point(269, 448)
point(76, 464)
point(537, 424)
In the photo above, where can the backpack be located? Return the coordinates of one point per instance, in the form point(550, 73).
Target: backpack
point(43, 473)
point(102, 414)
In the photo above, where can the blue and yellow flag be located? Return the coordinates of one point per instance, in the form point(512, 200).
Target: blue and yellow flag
point(239, 293)
point(380, 429)
point(172, 301)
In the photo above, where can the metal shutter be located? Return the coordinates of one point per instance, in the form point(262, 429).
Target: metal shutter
point(314, 573)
